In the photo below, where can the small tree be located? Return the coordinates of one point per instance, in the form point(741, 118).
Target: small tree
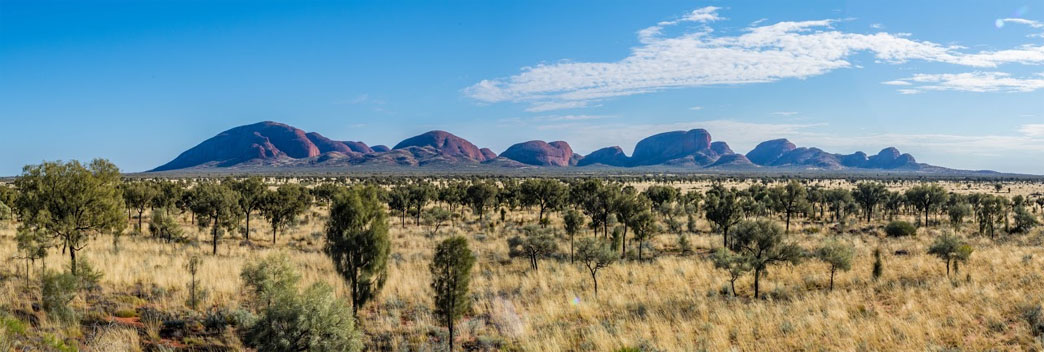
point(534, 244)
point(435, 218)
point(762, 243)
point(734, 264)
point(950, 249)
point(789, 199)
point(193, 267)
point(722, 209)
point(838, 256)
point(878, 267)
point(56, 291)
point(545, 194)
point(420, 194)
point(139, 196)
point(282, 206)
point(71, 202)
point(595, 254)
point(313, 320)
point(481, 196)
point(269, 278)
point(357, 242)
point(573, 222)
point(251, 198)
point(645, 227)
point(218, 207)
point(165, 226)
point(451, 276)
point(868, 195)
point(927, 198)
point(1024, 220)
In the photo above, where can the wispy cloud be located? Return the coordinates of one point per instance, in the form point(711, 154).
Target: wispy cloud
point(1023, 21)
point(696, 108)
point(969, 82)
point(762, 53)
point(785, 113)
point(1032, 130)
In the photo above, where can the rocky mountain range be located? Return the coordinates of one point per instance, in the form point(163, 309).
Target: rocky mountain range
point(272, 144)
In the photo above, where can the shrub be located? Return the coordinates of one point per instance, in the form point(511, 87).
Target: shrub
point(57, 290)
point(314, 320)
point(900, 229)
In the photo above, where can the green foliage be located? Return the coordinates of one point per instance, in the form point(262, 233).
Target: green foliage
point(165, 226)
point(217, 206)
point(573, 222)
point(868, 195)
point(789, 199)
point(87, 277)
point(545, 194)
point(900, 229)
point(435, 218)
point(6, 214)
point(193, 268)
point(357, 242)
point(1024, 220)
point(139, 196)
point(763, 244)
point(878, 267)
point(451, 277)
point(481, 196)
point(535, 243)
point(70, 202)
point(56, 291)
point(927, 198)
point(722, 208)
point(282, 206)
point(251, 198)
point(950, 249)
point(838, 255)
point(734, 264)
point(269, 278)
point(314, 320)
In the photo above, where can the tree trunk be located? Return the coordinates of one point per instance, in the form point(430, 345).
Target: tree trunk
point(595, 279)
point(247, 233)
point(214, 234)
point(540, 219)
point(140, 213)
point(832, 279)
point(72, 259)
point(450, 325)
point(571, 248)
point(788, 222)
point(757, 276)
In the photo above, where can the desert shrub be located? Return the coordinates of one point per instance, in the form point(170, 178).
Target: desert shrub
point(900, 229)
point(1034, 315)
point(269, 278)
point(314, 320)
point(57, 290)
point(87, 277)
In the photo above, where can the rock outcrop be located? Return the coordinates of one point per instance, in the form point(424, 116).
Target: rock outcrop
point(540, 153)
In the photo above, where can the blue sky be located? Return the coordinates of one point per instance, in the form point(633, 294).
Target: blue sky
point(956, 83)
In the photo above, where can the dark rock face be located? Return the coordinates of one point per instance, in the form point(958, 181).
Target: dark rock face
point(666, 146)
point(540, 153)
point(358, 147)
point(721, 148)
point(890, 158)
point(733, 160)
point(488, 154)
point(610, 156)
point(446, 144)
point(264, 140)
point(768, 152)
point(380, 148)
point(327, 145)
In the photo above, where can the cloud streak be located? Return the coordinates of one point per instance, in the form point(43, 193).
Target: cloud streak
point(760, 54)
point(969, 82)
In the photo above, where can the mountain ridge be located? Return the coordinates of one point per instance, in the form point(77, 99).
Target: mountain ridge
point(273, 144)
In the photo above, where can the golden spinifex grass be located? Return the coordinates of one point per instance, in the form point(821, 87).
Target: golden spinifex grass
point(672, 302)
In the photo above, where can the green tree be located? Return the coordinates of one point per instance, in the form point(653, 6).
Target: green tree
point(838, 256)
point(481, 196)
point(958, 211)
point(868, 195)
point(451, 276)
point(399, 201)
point(596, 254)
point(789, 199)
point(926, 198)
point(645, 227)
point(435, 218)
point(357, 242)
point(420, 193)
point(545, 194)
point(282, 206)
point(269, 278)
point(164, 226)
point(722, 208)
point(217, 206)
point(950, 249)
point(534, 243)
point(139, 196)
point(989, 211)
point(251, 198)
point(762, 242)
point(573, 222)
point(733, 263)
point(70, 202)
point(1024, 220)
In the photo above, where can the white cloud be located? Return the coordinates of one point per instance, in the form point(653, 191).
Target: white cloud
point(1031, 23)
point(761, 53)
point(785, 113)
point(1032, 130)
point(969, 82)
point(694, 108)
